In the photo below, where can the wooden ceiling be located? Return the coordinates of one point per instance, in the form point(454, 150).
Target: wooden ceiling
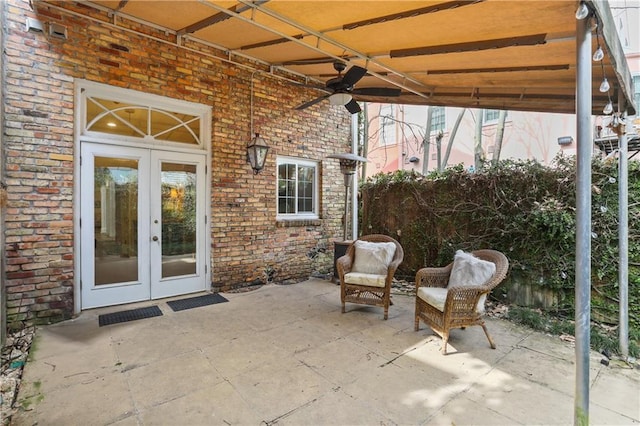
point(496, 54)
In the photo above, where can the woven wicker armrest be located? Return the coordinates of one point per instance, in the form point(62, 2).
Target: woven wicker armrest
point(344, 264)
point(361, 289)
point(460, 293)
point(433, 277)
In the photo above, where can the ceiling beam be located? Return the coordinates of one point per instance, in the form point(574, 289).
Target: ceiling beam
point(214, 19)
point(271, 42)
point(501, 69)
point(411, 13)
point(402, 15)
point(528, 40)
point(319, 36)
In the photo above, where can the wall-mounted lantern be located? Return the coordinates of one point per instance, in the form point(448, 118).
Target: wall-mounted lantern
point(257, 153)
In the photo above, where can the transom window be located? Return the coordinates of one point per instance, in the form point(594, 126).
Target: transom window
point(125, 114)
point(297, 189)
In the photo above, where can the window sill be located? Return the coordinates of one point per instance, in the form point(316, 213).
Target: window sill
point(296, 223)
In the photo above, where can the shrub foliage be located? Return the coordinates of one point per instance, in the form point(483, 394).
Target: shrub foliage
point(522, 208)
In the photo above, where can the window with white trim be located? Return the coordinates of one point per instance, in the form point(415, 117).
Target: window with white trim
point(437, 119)
point(491, 115)
point(387, 134)
point(636, 94)
point(297, 189)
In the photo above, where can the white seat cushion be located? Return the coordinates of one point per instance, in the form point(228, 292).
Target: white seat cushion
point(359, 278)
point(434, 296)
point(373, 258)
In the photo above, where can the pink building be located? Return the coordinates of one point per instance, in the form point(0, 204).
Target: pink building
point(396, 132)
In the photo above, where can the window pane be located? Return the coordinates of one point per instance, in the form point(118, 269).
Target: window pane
point(305, 189)
point(286, 188)
point(305, 205)
point(491, 114)
point(116, 218)
point(116, 118)
point(175, 127)
point(178, 219)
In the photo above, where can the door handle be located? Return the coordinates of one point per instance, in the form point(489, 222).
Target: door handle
point(155, 238)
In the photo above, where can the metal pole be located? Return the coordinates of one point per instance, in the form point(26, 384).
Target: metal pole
point(347, 179)
point(354, 179)
point(623, 242)
point(3, 291)
point(583, 221)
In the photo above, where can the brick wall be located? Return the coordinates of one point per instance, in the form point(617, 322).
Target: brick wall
point(38, 152)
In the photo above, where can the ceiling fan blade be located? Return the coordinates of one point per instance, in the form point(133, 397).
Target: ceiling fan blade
point(353, 75)
point(312, 102)
point(377, 91)
point(353, 107)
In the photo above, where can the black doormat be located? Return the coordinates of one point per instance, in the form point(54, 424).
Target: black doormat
point(195, 302)
point(130, 315)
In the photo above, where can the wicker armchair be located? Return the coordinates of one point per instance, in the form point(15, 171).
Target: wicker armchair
point(368, 287)
point(463, 304)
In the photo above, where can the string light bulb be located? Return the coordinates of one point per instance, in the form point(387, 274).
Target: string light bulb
point(598, 55)
point(604, 86)
point(582, 12)
point(608, 108)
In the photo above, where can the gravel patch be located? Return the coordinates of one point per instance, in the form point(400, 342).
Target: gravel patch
point(14, 357)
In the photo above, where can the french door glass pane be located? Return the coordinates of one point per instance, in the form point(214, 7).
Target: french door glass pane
point(178, 219)
point(116, 220)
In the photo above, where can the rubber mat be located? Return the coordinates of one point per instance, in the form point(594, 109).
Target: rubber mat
point(130, 315)
point(195, 302)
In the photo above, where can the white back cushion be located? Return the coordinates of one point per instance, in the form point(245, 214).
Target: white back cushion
point(468, 270)
point(373, 258)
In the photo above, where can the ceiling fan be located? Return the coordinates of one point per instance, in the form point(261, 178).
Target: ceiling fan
point(341, 89)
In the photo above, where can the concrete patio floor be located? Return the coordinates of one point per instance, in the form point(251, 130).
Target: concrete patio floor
point(286, 355)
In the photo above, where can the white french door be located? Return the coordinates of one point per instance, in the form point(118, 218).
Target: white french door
point(142, 224)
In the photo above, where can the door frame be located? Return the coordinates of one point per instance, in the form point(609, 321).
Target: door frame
point(163, 287)
point(84, 88)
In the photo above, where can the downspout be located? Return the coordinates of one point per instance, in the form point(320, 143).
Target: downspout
point(623, 233)
point(3, 292)
point(354, 182)
point(583, 221)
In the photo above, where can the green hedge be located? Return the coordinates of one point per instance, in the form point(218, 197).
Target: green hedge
point(522, 208)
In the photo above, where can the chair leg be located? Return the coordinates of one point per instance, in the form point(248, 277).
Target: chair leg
point(416, 324)
point(343, 310)
point(486, 332)
point(386, 298)
point(445, 340)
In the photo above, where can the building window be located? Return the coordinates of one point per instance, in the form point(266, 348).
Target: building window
point(297, 189)
point(636, 95)
point(491, 115)
point(437, 119)
point(387, 125)
point(116, 113)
